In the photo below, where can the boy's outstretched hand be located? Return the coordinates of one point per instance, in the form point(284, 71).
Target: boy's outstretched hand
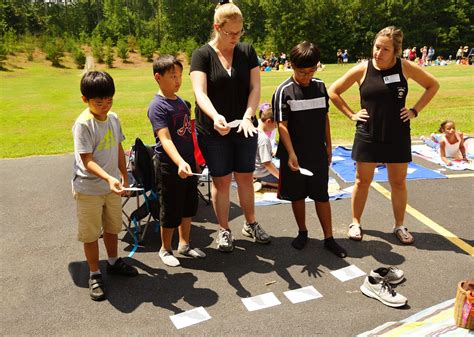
point(184, 170)
point(116, 186)
point(293, 162)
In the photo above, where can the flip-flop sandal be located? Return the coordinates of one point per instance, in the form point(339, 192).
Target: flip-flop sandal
point(403, 235)
point(355, 232)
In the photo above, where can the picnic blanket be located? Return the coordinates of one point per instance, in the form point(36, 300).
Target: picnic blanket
point(437, 320)
point(428, 153)
point(268, 196)
point(345, 168)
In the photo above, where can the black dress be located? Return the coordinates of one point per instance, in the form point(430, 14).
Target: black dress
point(384, 137)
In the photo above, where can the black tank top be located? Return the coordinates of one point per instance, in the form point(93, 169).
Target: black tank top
point(383, 93)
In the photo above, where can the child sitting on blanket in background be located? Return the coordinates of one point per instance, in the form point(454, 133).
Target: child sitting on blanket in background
point(451, 144)
point(265, 171)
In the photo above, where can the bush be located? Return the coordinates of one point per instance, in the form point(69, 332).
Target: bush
point(147, 48)
point(54, 50)
point(169, 47)
point(122, 50)
point(188, 46)
point(79, 57)
point(109, 56)
point(132, 43)
point(10, 41)
point(97, 49)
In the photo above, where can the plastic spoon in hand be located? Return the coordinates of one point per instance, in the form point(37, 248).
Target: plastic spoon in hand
point(305, 172)
point(234, 123)
point(132, 189)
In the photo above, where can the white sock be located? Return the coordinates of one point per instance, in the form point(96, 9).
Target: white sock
point(94, 273)
point(112, 260)
point(168, 258)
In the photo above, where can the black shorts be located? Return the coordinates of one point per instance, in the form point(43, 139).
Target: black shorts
point(294, 186)
point(377, 152)
point(178, 197)
point(231, 153)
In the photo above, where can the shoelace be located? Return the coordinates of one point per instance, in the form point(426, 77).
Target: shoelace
point(226, 237)
point(258, 230)
point(388, 287)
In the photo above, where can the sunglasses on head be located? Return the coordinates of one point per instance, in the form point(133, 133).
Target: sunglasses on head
point(223, 2)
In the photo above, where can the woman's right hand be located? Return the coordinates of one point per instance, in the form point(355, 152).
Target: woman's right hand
point(293, 162)
point(360, 116)
point(220, 125)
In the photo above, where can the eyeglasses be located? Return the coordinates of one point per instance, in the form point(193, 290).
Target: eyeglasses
point(232, 34)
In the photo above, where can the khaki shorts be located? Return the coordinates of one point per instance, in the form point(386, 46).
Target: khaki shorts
point(97, 212)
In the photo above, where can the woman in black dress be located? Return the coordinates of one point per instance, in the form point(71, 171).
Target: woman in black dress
point(383, 123)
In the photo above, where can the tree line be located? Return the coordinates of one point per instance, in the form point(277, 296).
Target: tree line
point(172, 26)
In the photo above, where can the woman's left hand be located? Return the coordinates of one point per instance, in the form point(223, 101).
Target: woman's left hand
point(247, 127)
point(406, 114)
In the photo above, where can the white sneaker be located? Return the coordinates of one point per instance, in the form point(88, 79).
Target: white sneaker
point(382, 291)
point(225, 240)
point(186, 250)
point(168, 258)
point(392, 275)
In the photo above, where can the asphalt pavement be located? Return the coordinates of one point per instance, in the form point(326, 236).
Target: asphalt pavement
point(44, 274)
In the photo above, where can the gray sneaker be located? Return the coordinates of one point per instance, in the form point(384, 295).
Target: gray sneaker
point(225, 241)
point(256, 232)
point(382, 291)
point(392, 275)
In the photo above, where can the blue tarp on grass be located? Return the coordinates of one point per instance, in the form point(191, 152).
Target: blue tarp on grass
point(345, 168)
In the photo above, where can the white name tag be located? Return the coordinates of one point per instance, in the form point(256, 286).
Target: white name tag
point(391, 78)
point(308, 104)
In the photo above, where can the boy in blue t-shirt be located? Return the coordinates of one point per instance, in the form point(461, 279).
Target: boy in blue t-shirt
point(300, 105)
point(171, 121)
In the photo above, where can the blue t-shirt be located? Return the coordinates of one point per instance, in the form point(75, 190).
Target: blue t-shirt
point(172, 114)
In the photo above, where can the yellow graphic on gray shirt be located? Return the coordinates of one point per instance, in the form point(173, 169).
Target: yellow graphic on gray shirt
point(107, 142)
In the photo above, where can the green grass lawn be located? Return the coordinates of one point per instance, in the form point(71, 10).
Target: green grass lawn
point(40, 103)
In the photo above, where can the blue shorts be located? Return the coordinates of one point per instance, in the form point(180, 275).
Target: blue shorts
point(230, 153)
point(270, 178)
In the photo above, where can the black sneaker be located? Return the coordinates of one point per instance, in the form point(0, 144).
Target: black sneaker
point(96, 288)
point(121, 268)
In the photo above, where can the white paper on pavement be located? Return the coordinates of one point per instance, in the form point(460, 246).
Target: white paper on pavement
point(302, 294)
point(190, 317)
point(261, 301)
point(347, 273)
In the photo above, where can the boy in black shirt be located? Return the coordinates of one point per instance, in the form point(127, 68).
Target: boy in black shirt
point(300, 105)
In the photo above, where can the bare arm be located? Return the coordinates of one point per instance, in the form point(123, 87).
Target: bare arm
point(272, 169)
point(184, 170)
point(286, 139)
point(328, 140)
point(199, 82)
point(254, 97)
point(425, 80)
point(94, 168)
point(442, 152)
point(354, 75)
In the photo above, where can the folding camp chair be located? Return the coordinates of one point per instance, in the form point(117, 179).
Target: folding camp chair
point(205, 179)
point(142, 168)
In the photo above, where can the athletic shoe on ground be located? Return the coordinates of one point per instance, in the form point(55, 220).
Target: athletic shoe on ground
point(186, 250)
point(225, 241)
point(402, 234)
point(383, 292)
point(256, 232)
point(96, 287)
point(120, 267)
point(168, 258)
point(355, 232)
point(392, 275)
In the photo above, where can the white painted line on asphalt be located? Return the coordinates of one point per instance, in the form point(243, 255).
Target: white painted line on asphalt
point(261, 301)
point(190, 317)
point(430, 223)
point(459, 175)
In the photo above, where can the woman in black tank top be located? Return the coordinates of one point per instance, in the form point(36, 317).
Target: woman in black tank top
point(383, 123)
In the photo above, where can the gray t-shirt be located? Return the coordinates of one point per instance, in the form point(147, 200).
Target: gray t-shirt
point(101, 138)
point(264, 155)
